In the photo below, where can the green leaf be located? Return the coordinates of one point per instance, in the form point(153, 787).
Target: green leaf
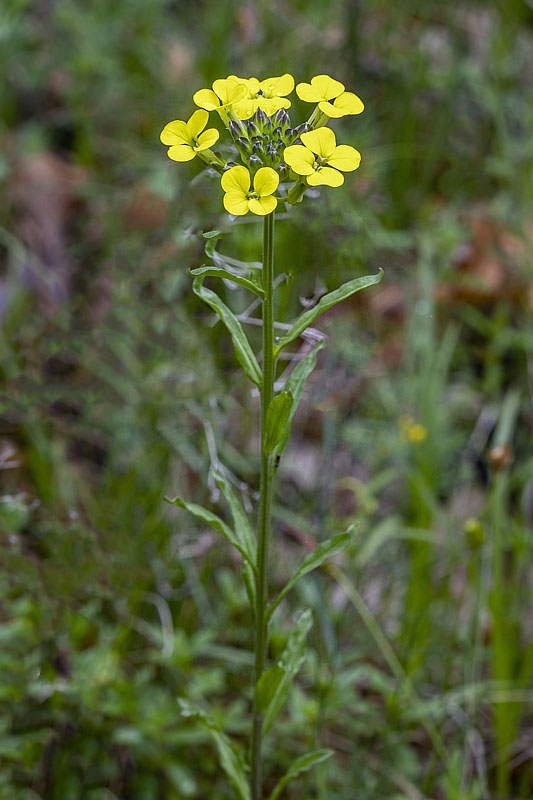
point(267, 686)
point(315, 559)
point(274, 690)
point(302, 764)
point(211, 519)
point(241, 345)
point(277, 419)
point(243, 529)
point(219, 272)
point(211, 238)
point(295, 386)
point(249, 582)
point(230, 756)
point(329, 300)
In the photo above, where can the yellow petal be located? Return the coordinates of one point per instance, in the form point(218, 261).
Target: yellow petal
point(197, 122)
point(266, 181)
point(271, 104)
point(322, 141)
point(235, 203)
point(326, 177)
point(349, 103)
point(181, 152)
point(327, 87)
point(308, 93)
point(299, 158)
point(262, 206)
point(207, 139)
point(345, 157)
point(278, 87)
point(245, 109)
point(236, 179)
point(175, 132)
point(205, 98)
point(330, 110)
point(229, 90)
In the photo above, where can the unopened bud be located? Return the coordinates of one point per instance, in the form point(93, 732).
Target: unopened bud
point(260, 118)
point(255, 160)
point(253, 130)
point(242, 142)
point(277, 132)
point(257, 148)
point(282, 118)
point(303, 128)
point(230, 164)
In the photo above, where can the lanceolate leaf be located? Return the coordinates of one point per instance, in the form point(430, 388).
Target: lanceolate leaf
point(329, 300)
point(277, 419)
point(230, 756)
point(211, 519)
point(315, 559)
point(302, 764)
point(241, 345)
point(219, 272)
point(295, 385)
point(243, 529)
point(276, 687)
point(249, 582)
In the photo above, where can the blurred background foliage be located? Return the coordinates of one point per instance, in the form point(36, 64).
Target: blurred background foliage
point(117, 388)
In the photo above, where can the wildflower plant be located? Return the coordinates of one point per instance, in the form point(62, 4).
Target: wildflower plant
point(273, 162)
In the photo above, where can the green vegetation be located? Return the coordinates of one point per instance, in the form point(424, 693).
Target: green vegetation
point(117, 388)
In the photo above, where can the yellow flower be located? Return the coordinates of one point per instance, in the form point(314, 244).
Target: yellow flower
point(412, 431)
point(186, 138)
point(225, 93)
point(319, 158)
point(238, 198)
point(268, 95)
point(323, 90)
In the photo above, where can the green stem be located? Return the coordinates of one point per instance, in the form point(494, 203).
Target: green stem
point(265, 505)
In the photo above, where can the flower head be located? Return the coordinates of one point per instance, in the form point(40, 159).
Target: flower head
point(224, 94)
point(238, 198)
point(323, 90)
point(321, 159)
point(186, 138)
point(269, 95)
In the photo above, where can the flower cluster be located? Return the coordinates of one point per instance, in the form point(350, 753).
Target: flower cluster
point(272, 152)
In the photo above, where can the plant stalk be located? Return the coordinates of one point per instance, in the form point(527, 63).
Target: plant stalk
point(265, 504)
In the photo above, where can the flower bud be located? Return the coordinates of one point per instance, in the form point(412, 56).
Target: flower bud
point(253, 130)
point(240, 141)
point(236, 128)
point(229, 165)
point(255, 161)
point(257, 148)
point(277, 132)
point(282, 118)
point(260, 118)
point(303, 128)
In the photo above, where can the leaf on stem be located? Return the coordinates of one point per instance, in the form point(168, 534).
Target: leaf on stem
point(274, 685)
point(329, 300)
point(277, 419)
point(300, 765)
point(243, 529)
point(295, 386)
point(315, 559)
point(219, 272)
point(215, 522)
point(230, 756)
point(241, 345)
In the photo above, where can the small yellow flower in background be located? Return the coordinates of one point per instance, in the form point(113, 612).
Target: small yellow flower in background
point(268, 95)
point(186, 138)
point(412, 431)
point(323, 89)
point(320, 159)
point(238, 199)
point(225, 93)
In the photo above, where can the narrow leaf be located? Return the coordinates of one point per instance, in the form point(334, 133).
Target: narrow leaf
point(241, 345)
point(211, 519)
point(231, 758)
point(289, 664)
point(276, 419)
point(315, 559)
point(249, 582)
point(295, 385)
point(243, 529)
point(329, 300)
point(219, 272)
point(302, 764)
point(267, 686)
